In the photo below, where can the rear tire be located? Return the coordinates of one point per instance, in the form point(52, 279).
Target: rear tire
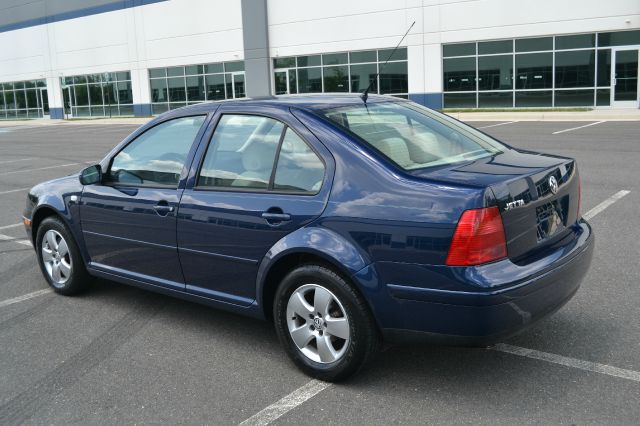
point(323, 323)
point(59, 258)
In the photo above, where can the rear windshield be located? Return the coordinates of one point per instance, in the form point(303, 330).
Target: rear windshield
point(411, 136)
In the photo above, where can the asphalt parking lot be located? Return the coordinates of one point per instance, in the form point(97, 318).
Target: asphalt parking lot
point(121, 355)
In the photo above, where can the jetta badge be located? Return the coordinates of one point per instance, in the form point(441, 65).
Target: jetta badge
point(553, 185)
point(513, 204)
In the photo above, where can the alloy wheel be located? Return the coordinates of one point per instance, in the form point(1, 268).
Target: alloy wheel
point(318, 323)
point(56, 257)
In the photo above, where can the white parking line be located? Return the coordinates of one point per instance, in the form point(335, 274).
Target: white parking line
point(579, 127)
point(286, 404)
point(569, 362)
point(13, 161)
point(15, 240)
point(496, 125)
point(24, 297)
point(606, 203)
point(13, 190)
point(41, 168)
point(15, 225)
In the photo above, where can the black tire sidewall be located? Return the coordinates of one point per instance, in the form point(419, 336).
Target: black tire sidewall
point(78, 278)
point(363, 335)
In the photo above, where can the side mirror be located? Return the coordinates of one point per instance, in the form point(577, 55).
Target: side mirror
point(91, 175)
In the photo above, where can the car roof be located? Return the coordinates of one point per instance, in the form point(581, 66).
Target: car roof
point(306, 101)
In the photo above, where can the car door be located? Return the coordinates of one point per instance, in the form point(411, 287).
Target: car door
point(259, 180)
point(129, 220)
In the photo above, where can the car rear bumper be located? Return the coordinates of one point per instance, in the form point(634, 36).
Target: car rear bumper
point(484, 315)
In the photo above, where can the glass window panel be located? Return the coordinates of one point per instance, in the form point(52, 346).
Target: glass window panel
point(362, 76)
point(95, 94)
point(176, 105)
point(94, 78)
point(79, 79)
point(577, 41)
point(626, 75)
point(603, 97)
point(293, 82)
point(215, 87)
point(462, 49)
point(620, 38)
point(284, 62)
point(533, 71)
point(123, 75)
point(534, 44)
point(234, 66)
point(566, 98)
point(1, 101)
point(125, 94)
point(238, 85)
point(213, 68)
point(495, 72)
point(176, 89)
point(195, 88)
point(576, 68)
point(309, 61)
point(334, 59)
point(68, 80)
point(10, 99)
point(158, 155)
point(366, 56)
point(18, 85)
point(193, 70)
point(310, 80)
point(98, 111)
point(159, 90)
point(125, 109)
point(299, 169)
point(158, 72)
point(82, 96)
point(489, 47)
point(533, 99)
point(29, 84)
point(336, 79)
point(82, 112)
point(159, 108)
point(110, 93)
point(495, 99)
point(175, 71)
point(399, 55)
point(21, 100)
point(393, 78)
point(41, 83)
point(241, 152)
point(459, 74)
point(604, 67)
point(32, 101)
point(460, 100)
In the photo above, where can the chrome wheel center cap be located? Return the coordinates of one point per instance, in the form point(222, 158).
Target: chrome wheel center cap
point(317, 323)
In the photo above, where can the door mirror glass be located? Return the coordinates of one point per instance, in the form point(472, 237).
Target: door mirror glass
point(91, 175)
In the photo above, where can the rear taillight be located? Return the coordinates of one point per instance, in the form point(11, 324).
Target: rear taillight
point(479, 238)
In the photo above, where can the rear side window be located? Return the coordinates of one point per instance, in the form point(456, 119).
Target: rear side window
point(157, 156)
point(241, 153)
point(244, 150)
point(299, 168)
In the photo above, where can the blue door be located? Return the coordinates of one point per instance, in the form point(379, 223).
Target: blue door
point(259, 180)
point(129, 220)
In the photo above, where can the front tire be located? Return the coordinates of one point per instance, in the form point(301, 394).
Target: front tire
point(324, 324)
point(59, 258)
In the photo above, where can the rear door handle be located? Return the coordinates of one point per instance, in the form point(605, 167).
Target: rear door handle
point(163, 209)
point(276, 217)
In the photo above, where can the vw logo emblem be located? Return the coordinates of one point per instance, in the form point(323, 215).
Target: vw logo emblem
point(317, 323)
point(553, 185)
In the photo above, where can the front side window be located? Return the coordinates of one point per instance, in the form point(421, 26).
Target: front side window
point(413, 137)
point(157, 156)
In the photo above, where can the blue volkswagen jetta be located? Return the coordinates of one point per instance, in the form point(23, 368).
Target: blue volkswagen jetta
point(344, 222)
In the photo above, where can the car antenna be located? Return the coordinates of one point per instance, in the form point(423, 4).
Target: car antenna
point(365, 94)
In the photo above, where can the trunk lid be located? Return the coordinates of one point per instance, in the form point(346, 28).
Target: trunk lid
point(537, 195)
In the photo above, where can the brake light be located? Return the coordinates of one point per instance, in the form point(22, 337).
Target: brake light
point(479, 238)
